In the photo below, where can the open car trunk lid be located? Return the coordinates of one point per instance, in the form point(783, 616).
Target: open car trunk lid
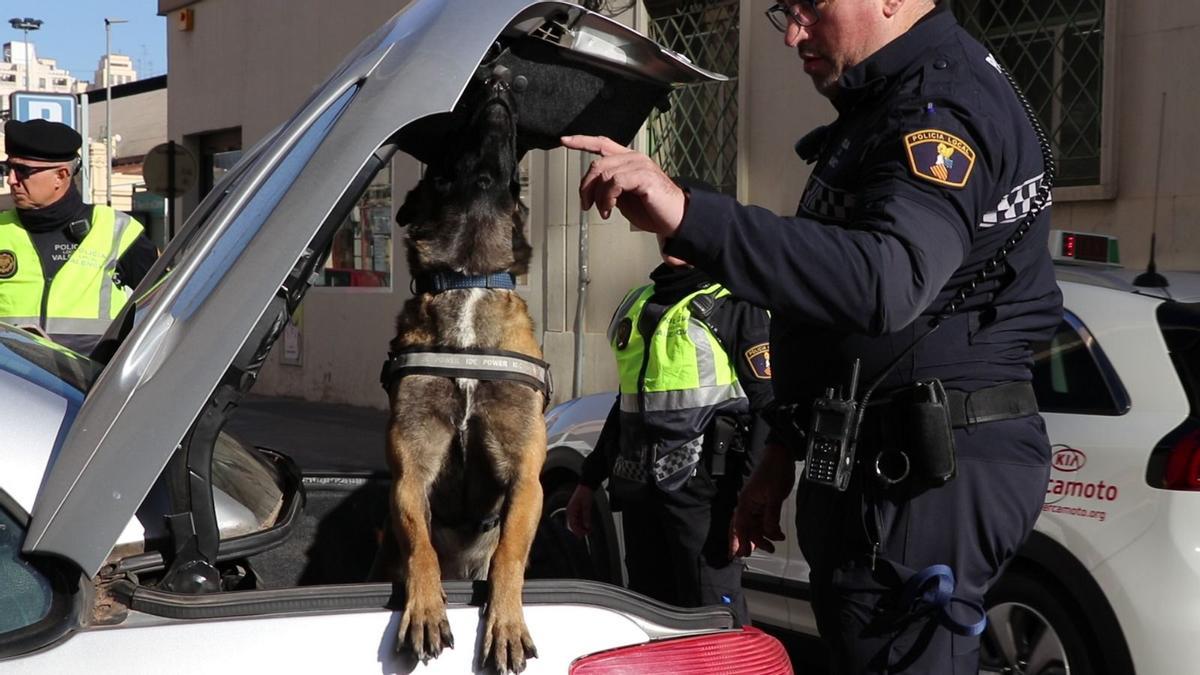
point(209, 310)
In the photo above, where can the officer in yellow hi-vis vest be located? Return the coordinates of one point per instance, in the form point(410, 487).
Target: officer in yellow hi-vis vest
point(66, 267)
point(694, 367)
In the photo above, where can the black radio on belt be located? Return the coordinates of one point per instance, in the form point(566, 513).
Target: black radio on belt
point(832, 435)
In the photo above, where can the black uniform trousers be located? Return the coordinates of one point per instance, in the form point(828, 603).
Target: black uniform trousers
point(974, 523)
point(677, 543)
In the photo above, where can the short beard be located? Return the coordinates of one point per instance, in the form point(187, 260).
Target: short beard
point(827, 86)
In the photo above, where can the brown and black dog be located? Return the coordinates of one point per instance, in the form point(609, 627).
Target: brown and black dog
point(465, 453)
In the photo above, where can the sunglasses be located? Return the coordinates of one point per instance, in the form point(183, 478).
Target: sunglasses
point(24, 171)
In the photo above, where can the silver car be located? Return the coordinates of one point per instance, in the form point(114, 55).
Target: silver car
point(136, 537)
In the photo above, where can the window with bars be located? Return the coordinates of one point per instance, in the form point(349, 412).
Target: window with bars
point(1055, 50)
point(697, 136)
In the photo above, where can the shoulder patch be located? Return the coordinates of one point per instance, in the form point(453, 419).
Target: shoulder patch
point(8, 264)
point(624, 332)
point(939, 157)
point(759, 358)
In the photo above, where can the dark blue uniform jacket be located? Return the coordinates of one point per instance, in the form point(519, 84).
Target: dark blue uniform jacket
point(927, 170)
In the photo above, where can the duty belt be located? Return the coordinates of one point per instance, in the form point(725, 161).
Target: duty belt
point(1002, 402)
point(477, 364)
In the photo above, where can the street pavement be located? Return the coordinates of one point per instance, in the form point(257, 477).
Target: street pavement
point(320, 437)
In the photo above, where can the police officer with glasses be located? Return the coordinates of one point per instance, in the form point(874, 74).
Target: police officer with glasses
point(904, 293)
point(66, 267)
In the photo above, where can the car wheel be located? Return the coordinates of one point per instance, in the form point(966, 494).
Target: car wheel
point(559, 554)
point(1032, 631)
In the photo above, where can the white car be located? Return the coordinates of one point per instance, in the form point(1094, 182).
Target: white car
point(1109, 582)
point(135, 537)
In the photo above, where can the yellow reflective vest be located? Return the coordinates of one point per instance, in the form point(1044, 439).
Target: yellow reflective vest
point(82, 298)
point(671, 388)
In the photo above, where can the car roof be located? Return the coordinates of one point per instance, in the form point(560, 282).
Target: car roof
point(1183, 285)
point(210, 307)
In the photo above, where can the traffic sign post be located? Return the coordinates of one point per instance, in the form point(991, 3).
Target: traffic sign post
point(85, 150)
point(169, 169)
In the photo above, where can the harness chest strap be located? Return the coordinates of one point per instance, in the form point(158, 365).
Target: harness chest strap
point(480, 364)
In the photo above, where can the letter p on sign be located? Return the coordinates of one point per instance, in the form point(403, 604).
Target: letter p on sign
point(46, 111)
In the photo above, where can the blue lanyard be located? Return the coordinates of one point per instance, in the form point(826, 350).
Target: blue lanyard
point(934, 588)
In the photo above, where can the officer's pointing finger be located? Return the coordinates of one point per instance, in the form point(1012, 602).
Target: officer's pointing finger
point(600, 145)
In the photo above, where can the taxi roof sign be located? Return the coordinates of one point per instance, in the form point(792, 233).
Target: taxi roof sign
point(1084, 248)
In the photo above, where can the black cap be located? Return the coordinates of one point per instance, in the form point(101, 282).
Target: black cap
point(41, 140)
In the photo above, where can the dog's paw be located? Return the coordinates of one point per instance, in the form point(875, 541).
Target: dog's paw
point(424, 628)
point(506, 643)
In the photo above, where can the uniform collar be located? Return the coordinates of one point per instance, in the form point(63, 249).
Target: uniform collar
point(878, 70)
point(69, 207)
point(672, 284)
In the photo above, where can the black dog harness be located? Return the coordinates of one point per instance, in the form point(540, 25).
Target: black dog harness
point(473, 363)
point(477, 364)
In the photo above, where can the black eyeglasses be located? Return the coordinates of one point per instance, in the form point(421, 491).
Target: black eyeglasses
point(24, 171)
point(804, 13)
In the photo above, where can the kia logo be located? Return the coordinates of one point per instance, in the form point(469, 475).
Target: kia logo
point(1068, 459)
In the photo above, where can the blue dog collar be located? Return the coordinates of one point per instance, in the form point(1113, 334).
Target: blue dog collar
point(436, 282)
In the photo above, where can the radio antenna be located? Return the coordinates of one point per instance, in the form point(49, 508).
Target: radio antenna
point(1151, 278)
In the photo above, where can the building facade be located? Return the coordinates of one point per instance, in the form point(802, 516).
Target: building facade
point(1111, 79)
point(44, 75)
point(120, 70)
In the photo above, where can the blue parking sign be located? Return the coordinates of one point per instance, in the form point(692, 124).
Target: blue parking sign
point(27, 106)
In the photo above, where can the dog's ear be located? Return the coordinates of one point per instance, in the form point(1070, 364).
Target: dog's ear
point(408, 210)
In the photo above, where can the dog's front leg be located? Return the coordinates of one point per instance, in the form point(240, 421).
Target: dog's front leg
point(424, 627)
point(506, 638)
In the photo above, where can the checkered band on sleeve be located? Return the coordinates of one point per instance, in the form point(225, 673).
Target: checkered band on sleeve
point(1015, 204)
point(827, 203)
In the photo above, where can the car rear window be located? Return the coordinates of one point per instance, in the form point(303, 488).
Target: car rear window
point(1180, 325)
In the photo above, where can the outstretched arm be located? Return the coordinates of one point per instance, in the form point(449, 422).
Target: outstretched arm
point(904, 235)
